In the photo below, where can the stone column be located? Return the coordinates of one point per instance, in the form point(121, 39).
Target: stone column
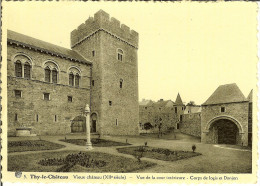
point(87, 116)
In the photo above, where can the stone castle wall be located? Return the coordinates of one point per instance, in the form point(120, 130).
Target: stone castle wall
point(32, 103)
point(152, 115)
point(120, 118)
point(191, 124)
point(235, 111)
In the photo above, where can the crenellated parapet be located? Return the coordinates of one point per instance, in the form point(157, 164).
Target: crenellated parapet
point(103, 22)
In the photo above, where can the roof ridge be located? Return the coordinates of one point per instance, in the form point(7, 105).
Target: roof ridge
point(228, 93)
point(43, 46)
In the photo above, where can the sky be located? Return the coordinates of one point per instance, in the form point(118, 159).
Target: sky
point(186, 48)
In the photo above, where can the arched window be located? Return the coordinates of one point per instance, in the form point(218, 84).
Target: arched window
point(54, 76)
point(27, 70)
point(120, 55)
point(71, 79)
point(47, 74)
point(77, 77)
point(18, 69)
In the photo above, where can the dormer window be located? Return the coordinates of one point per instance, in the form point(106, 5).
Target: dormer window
point(120, 55)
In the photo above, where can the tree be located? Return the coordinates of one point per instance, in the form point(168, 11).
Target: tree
point(191, 103)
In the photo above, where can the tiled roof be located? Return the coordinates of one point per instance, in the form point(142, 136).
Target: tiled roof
point(20, 39)
point(229, 93)
point(178, 100)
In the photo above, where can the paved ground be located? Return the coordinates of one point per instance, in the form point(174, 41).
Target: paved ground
point(214, 158)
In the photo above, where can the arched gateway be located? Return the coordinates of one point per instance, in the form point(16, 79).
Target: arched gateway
point(225, 116)
point(224, 130)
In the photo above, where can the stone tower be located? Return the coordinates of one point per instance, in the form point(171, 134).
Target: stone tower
point(112, 48)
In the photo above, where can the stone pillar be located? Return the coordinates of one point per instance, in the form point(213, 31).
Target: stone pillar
point(87, 115)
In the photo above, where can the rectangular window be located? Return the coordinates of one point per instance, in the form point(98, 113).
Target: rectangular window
point(110, 103)
point(55, 118)
point(46, 96)
point(116, 122)
point(16, 117)
point(54, 76)
point(37, 117)
point(176, 110)
point(69, 98)
point(71, 79)
point(77, 80)
point(93, 53)
point(93, 83)
point(18, 69)
point(47, 74)
point(27, 71)
point(180, 118)
point(223, 109)
point(18, 93)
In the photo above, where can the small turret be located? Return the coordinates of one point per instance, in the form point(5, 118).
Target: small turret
point(178, 100)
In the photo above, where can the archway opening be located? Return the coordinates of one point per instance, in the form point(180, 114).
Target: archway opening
point(93, 127)
point(78, 124)
point(224, 131)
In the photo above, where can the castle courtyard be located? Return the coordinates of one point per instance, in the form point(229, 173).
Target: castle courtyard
point(213, 159)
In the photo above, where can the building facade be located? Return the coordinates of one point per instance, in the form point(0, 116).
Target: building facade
point(49, 86)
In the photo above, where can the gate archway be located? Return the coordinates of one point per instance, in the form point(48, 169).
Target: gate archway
point(224, 131)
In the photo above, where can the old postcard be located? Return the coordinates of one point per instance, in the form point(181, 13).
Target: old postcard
point(129, 92)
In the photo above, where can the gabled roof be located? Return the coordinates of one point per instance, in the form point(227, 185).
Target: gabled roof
point(24, 40)
point(178, 100)
point(229, 93)
point(250, 96)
